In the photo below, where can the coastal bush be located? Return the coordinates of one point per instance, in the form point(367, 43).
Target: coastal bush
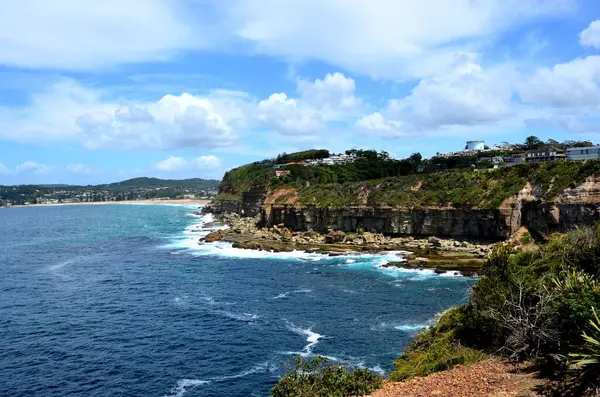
point(589, 357)
point(526, 238)
point(435, 349)
point(319, 378)
point(527, 305)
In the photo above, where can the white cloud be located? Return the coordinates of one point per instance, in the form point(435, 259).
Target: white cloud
point(319, 102)
point(381, 38)
point(467, 95)
point(284, 115)
point(73, 34)
point(570, 84)
point(377, 124)
point(32, 167)
point(175, 163)
point(3, 169)
point(333, 96)
point(70, 112)
point(577, 123)
point(78, 169)
point(590, 37)
point(172, 122)
point(208, 162)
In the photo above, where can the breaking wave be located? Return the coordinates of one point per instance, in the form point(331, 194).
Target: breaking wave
point(311, 337)
point(188, 241)
point(183, 385)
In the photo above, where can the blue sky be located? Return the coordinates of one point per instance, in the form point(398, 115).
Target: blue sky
point(94, 92)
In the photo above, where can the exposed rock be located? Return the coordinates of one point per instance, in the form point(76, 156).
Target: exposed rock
point(434, 242)
point(336, 236)
point(212, 237)
point(245, 233)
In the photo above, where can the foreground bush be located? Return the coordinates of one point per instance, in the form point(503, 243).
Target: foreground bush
point(319, 378)
point(528, 305)
point(589, 358)
point(437, 349)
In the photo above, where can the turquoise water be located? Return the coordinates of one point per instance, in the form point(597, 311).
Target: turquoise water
point(121, 300)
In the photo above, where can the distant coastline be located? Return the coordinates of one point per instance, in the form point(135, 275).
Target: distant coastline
point(178, 201)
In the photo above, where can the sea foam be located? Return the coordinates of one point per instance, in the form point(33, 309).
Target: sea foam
point(204, 224)
point(183, 385)
point(410, 328)
point(311, 337)
point(297, 291)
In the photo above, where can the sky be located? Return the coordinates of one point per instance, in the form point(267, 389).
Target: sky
point(101, 91)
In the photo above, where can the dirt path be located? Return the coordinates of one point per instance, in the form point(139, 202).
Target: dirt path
point(491, 378)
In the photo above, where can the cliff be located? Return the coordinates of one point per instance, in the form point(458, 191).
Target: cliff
point(485, 205)
point(447, 222)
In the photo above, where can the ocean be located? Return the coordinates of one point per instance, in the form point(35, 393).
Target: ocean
point(121, 300)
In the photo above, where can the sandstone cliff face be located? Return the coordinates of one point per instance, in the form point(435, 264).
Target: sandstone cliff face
point(451, 222)
point(253, 200)
point(574, 207)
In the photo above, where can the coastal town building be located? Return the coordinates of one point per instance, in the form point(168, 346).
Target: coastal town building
point(583, 153)
point(335, 159)
point(280, 173)
point(472, 148)
point(514, 159)
point(475, 145)
point(543, 154)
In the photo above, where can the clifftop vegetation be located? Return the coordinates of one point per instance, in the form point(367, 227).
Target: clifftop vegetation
point(477, 188)
point(374, 178)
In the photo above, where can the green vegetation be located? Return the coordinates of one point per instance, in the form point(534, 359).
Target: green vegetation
point(319, 378)
point(526, 238)
point(240, 180)
point(300, 156)
point(153, 183)
point(529, 305)
point(434, 350)
point(480, 189)
point(376, 178)
point(590, 356)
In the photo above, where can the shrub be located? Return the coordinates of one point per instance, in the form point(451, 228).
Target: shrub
point(590, 357)
point(526, 238)
point(433, 351)
point(579, 249)
point(318, 378)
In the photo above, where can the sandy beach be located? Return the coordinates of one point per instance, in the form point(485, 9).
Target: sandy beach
point(117, 202)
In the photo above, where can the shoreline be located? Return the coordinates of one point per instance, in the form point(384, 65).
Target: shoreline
point(175, 201)
point(435, 254)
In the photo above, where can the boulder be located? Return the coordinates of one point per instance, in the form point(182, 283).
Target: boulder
point(434, 242)
point(336, 236)
point(283, 232)
point(212, 237)
point(353, 239)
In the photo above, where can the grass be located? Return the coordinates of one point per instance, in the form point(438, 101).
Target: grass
point(434, 351)
point(465, 188)
point(320, 378)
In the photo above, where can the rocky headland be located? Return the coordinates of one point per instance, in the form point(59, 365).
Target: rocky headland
point(419, 253)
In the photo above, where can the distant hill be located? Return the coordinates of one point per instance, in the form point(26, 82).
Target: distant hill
point(142, 183)
point(131, 189)
point(153, 183)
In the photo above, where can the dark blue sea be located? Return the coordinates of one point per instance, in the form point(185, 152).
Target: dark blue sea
point(121, 300)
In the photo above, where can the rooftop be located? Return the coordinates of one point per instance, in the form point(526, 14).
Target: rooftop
point(572, 149)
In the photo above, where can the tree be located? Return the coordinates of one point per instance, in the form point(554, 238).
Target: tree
point(532, 142)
